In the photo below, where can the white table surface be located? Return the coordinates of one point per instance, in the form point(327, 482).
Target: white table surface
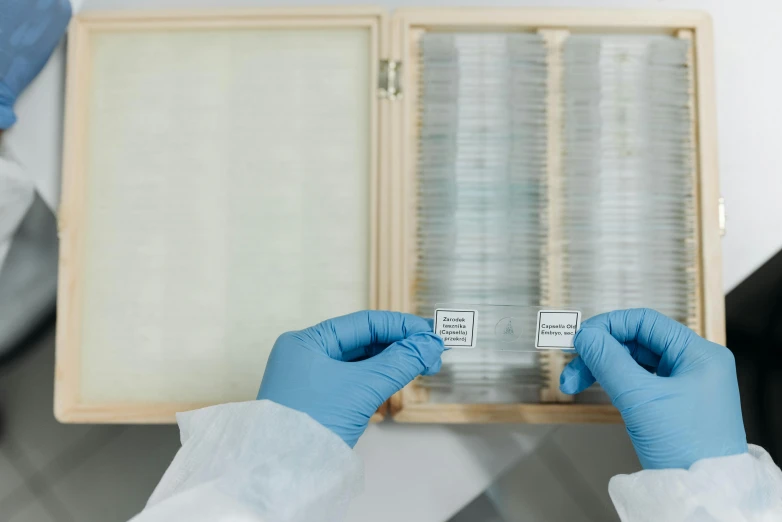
point(427, 473)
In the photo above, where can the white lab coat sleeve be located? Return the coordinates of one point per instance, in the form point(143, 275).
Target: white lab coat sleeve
point(744, 487)
point(255, 461)
point(17, 191)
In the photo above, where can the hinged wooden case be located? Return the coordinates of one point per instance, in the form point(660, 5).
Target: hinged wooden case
point(230, 175)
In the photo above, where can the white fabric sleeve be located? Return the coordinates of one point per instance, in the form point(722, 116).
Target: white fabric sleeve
point(255, 461)
point(17, 191)
point(744, 487)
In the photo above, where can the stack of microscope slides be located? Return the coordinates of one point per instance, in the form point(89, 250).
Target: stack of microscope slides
point(481, 189)
point(629, 196)
point(627, 190)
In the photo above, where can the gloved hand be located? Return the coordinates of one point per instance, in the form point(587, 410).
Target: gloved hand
point(29, 32)
point(689, 411)
point(340, 371)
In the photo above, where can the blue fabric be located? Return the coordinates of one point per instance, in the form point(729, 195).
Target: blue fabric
point(340, 371)
point(677, 392)
point(29, 32)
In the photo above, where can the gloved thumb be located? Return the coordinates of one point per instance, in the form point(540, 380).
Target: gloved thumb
point(604, 358)
point(404, 360)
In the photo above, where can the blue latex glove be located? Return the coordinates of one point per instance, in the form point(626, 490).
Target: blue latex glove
point(29, 32)
point(689, 411)
point(340, 371)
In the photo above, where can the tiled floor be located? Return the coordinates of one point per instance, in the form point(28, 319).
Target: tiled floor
point(51, 472)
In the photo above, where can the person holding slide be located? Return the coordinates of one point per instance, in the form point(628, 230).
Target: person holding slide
point(288, 456)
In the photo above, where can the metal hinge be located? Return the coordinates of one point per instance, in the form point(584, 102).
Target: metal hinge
point(390, 79)
point(721, 218)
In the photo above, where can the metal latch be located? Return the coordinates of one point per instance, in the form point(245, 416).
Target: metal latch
point(390, 79)
point(721, 218)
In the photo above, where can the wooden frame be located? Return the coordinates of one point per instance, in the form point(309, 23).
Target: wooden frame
point(68, 406)
point(410, 405)
point(392, 182)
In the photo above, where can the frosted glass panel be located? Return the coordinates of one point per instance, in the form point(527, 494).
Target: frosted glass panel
point(229, 190)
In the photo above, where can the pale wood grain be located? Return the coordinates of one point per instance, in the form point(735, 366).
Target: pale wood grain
point(550, 18)
point(71, 225)
point(710, 241)
point(553, 361)
point(508, 413)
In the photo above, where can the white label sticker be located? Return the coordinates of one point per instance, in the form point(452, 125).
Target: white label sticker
point(456, 327)
point(556, 329)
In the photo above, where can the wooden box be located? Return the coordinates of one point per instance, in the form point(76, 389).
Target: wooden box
point(230, 175)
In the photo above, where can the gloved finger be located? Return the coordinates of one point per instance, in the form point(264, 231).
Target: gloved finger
point(607, 360)
point(365, 352)
point(370, 351)
point(363, 334)
point(650, 329)
point(643, 356)
point(403, 361)
point(33, 31)
point(650, 369)
point(435, 369)
point(576, 377)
